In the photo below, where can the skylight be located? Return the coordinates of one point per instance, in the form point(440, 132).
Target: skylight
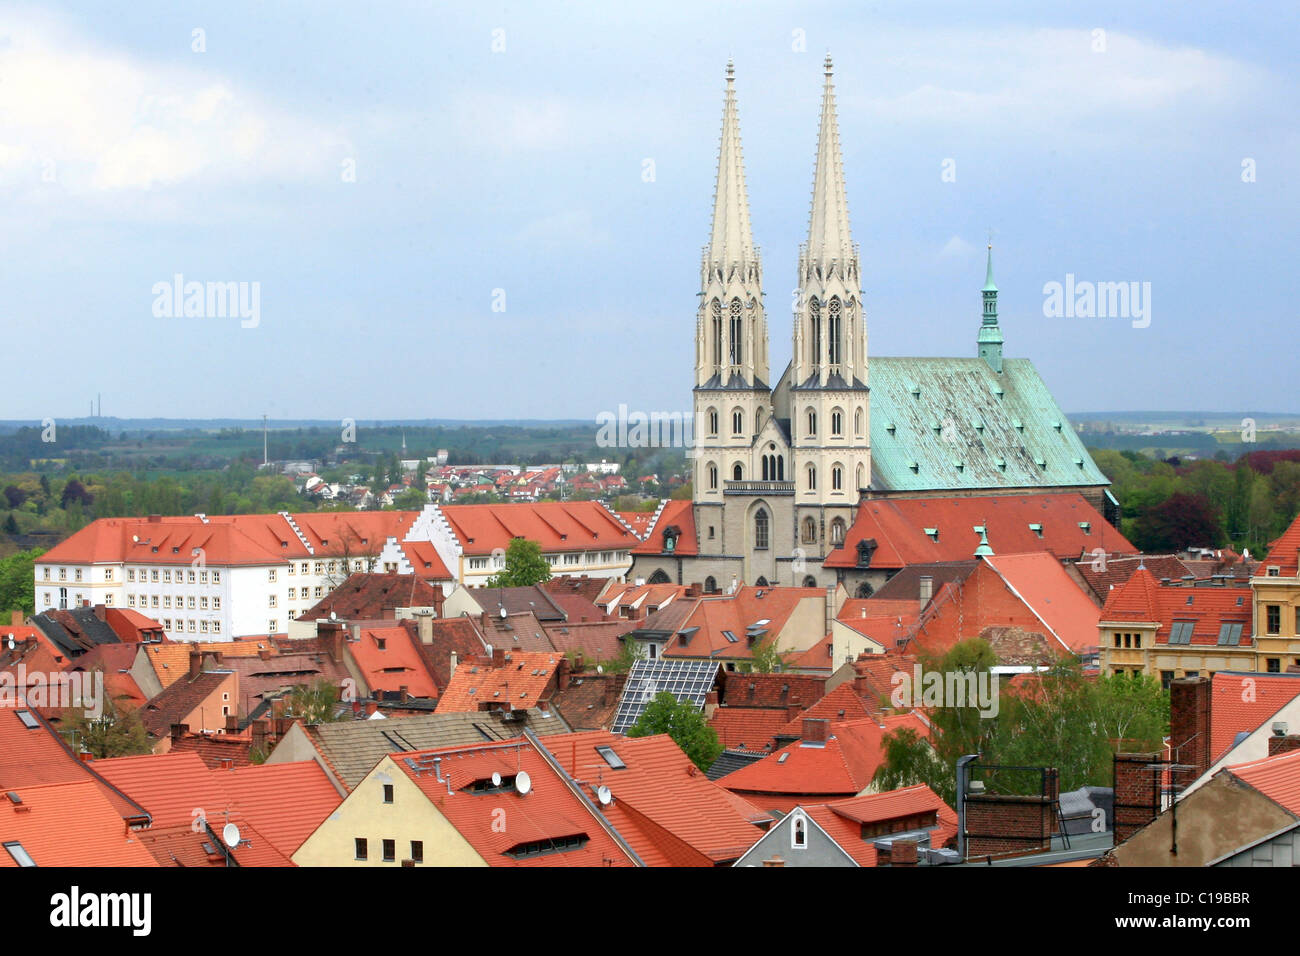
point(28, 719)
point(611, 758)
point(21, 856)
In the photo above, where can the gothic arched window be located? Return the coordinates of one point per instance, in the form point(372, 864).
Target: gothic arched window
point(837, 478)
point(736, 334)
point(710, 585)
point(837, 532)
point(716, 318)
point(737, 474)
point(659, 577)
point(737, 422)
point(834, 342)
point(812, 477)
point(810, 582)
point(812, 423)
point(857, 422)
point(837, 423)
point(815, 325)
point(713, 421)
point(713, 477)
point(760, 530)
point(809, 530)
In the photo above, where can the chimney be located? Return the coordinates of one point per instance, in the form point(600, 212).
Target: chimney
point(1283, 744)
point(264, 654)
point(16, 618)
point(815, 730)
point(1189, 723)
point(483, 620)
point(196, 664)
point(101, 612)
point(902, 853)
point(563, 670)
point(232, 724)
point(774, 861)
point(453, 664)
point(498, 657)
point(793, 709)
point(259, 734)
point(85, 756)
point(371, 708)
point(694, 589)
point(927, 590)
point(179, 731)
point(425, 624)
point(404, 693)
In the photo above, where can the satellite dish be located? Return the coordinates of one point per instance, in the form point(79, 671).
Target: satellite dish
point(600, 668)
point(135, 538)
point(503, 613)
point(333, 616)
point(230, 834)
point(604, 796)
point(523, 782)
point(496, 779)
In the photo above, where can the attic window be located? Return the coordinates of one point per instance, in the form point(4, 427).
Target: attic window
point(1002, 464)
point(998, 391)
point(781, 759)
point(29, 721)
point(1190, 598)
point(381, 643)
point(1037, 529)
point(916, 469)
point(959, 465)
point(732, 639)
point(1079, 462)
point(611, 758)
point(21, 856)
point(891, 427)
point(1086, 526)
point(916, 391)
point(1018, 425)
point(979, 424)
point(933, 533)
point(936, 427)
point(1181, 633)
point(1041, 463)
point(1056, 425)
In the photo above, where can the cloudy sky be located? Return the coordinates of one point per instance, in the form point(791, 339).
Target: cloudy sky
point(392, 175)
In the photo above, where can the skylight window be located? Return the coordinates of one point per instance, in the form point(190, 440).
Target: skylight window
point(29, 720)
point(21, 856)
point(611, 758)
point(1230, 634)
point(730, 637)
point(1181, 633)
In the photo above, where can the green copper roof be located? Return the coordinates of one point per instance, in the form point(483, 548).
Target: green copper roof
point(988, 278)
point(984, 547)
point(1025, 442)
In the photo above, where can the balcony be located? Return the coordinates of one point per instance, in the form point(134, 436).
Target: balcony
point(758, 488)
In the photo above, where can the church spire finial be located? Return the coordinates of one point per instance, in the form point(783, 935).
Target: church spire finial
point(989, 340)
point(731, 242)
point(828, 226)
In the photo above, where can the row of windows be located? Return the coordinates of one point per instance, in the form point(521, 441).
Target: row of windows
point(773, 469)
point(837, 422)
point(568, 559)
point(191, 625)
point(389, 850)
point(147, 600)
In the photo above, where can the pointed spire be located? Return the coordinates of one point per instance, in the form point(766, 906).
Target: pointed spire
point(988, 276)
point(989, 340)
point(828, 226)
point(732, 241)
point(984, 548)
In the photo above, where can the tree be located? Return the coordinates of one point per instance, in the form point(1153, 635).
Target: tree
point(682, 722)
point(18, 581)
point(631, 652)
point(909, 759)
point(525, 566)
point(766, 659)
point(315, 703)
point(114, 733)
point(1181, 521)
point(15, 496)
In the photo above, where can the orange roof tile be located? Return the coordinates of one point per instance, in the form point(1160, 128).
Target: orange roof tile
point(1276, 777)
point(1045, 587)
point(555, 525)
point(387, 659)
point(748, 728)
point(285, 801)
point(69, 824)
point(517, 682)
point(1244, 702)
point(1142, 599)
point(1284, 553)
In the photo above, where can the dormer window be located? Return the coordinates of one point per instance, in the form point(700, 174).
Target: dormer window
point(866, 548)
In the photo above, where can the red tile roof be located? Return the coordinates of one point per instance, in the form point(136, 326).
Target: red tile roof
point(595, 641)
point(182, 846)
point(1045, 587)
point(375, 597)
point(1105, 576)
point(898, 527)
point(843, 703)
point(555, 525)
point(69, 824)
point(748, 728)
point(844, 820)
point(388, 660)
point(843, 766)
point(1284, 553)
point(285, 801)
point(1276, 777)
point(549, 811)
point(771, 690)
point(1243, 702)
point(675, 514)
point(736, 613)
point(1142, 600)
point(517, 683)
point(660, 782)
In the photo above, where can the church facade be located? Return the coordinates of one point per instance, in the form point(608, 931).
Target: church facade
point(779, 469)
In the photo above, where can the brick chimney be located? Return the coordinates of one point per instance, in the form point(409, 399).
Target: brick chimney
point(498, 657)
point(793, 709)
point(232, 724)
point(372, 708)
point(903, 853)
point(179, 731)
point(1283, 744)
point(1189, 724)
point(424, 623)
point(16, 618)
point(264, 653)
point(563, 672)
point(694, 590)
point(815, 730)
point(196, 664)
point(101, 612)
point(259, 734)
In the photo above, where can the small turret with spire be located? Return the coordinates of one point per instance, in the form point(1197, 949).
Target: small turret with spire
point(990, 337)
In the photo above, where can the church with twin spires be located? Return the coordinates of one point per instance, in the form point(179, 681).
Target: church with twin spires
point(779, 469)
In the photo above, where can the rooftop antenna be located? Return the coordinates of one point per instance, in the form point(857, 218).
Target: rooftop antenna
point(265, 460)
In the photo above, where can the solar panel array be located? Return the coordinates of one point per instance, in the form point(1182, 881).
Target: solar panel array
point(685, 680)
